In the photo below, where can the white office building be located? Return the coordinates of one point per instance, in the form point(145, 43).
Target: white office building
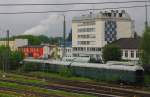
point(91, 32)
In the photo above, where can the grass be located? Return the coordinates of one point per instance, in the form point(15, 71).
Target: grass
point(58, 76)
point(12, 94)
point(36, 89)
point(7, 95)
point(22, 78)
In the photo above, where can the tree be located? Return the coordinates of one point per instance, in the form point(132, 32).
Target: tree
point(11, 61)
point(55, 40)
point(4, 57)
point(37, 40)
point(43, 39)
point(145, 47)
point(15, 58)
point(111, 52)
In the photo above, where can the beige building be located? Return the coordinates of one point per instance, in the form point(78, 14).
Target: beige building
point(93, 31)
point(14, 44)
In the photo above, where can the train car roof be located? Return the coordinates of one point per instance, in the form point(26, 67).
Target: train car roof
point(90, 65)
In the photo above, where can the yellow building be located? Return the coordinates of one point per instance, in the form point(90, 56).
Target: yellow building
point(14, 44)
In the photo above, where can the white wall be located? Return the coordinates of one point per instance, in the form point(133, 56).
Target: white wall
point(68, 52)
point(125, 29)
point(21, 42)
point(129, 54)
point(46, 51)
point(99, 33)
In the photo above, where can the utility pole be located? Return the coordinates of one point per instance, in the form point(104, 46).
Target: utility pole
point(7, 38)
point(7, 57)
point(146, 18)
point(64, 37)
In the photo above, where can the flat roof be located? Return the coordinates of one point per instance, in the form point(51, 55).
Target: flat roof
point(90, 65)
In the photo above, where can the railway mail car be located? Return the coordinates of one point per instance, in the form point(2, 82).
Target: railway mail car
point(117, 72)
point(110, 72)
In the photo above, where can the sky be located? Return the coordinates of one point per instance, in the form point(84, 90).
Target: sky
point(51, 24)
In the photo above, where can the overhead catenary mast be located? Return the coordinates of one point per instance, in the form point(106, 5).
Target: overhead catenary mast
point(7, 53)
point(146, 18)
point(7, 38)
point(64, 37)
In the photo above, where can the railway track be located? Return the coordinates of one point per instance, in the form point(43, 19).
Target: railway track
point(101, 91)
point(85, 82)
point(127, 91)
point(52, 86)
point(26, 93)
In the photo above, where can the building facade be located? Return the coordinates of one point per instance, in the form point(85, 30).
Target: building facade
point(130, 48)
point(68, 50)
point(14, 44)
point(35, 51)
point(91, 32)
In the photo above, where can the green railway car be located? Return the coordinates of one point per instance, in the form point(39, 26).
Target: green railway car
point(113, 71)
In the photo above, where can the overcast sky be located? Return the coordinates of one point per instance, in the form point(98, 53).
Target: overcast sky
point(50, 24)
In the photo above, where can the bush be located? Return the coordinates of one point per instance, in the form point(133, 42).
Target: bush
point(28, 67)
point(145, 48)
point(67, 72)
point(111, 52)
point(15, 58)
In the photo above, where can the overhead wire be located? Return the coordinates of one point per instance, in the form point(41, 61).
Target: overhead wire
point(76, 10)
point(36, 4)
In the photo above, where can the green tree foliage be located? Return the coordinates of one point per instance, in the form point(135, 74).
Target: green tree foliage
point(111, 52)
point(9, 60)
point(37, 40)
point(66, 71)
point(28, 67)
point(145, 47)
point(55, 40)
point(15, 58)
point(3, 56)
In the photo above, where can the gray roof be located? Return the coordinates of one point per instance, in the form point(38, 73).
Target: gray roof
point(32, 46)
point(89, 65)
point(128, 43)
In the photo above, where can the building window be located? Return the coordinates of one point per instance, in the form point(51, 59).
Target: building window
point(126, 54)
point(137, 54)
point(86, 42)
point(99, 49)
point(86, 30)
point(90, 23)
point(87, 36)
point(132, 54)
